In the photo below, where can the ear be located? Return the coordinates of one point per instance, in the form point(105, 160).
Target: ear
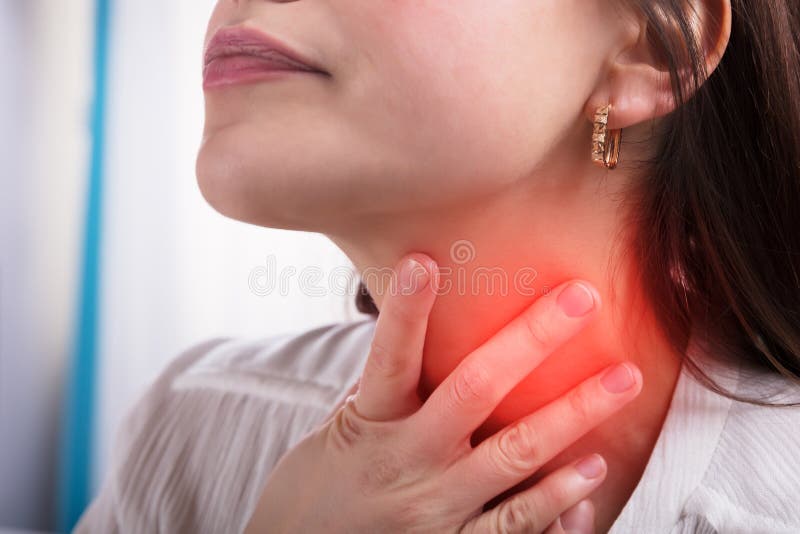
point(638, 85)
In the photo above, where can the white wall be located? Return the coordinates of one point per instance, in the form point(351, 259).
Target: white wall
point(44, 56)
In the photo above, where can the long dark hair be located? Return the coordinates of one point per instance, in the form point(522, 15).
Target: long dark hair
point(715, 216)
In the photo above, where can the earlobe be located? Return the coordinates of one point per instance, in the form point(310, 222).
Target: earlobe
point(638, 85)
point(639, 92)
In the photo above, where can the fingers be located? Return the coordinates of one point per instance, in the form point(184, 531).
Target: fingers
point(388, 387)
point(516, 452)
point(577, 520)
point(534, 509)
point(471, 392)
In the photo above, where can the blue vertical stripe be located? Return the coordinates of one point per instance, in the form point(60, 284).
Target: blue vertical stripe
point(77, 432)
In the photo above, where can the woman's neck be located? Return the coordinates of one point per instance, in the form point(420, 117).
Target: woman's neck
point(496, 257)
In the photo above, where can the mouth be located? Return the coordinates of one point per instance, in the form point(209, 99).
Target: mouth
point(240, 53)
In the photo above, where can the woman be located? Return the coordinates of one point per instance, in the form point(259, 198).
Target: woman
point(485, 141)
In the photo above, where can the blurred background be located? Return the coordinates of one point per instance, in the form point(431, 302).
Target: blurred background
point(111, 262)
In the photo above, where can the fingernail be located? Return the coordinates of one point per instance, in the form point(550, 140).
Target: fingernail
point(413, 277)
point(591, 466)
point(618, 379)
point(577, 520)
point(575, 300)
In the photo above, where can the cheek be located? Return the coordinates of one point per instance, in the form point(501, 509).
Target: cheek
point(224, 11)
point(479, 91)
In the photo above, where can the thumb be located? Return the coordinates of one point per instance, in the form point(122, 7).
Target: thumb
point(391, 374)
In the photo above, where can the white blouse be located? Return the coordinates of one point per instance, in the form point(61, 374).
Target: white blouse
point(193, 453)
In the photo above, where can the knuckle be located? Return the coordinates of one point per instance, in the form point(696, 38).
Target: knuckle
point(382, 469)
point(517, 515)
point(384, 360)
point(419, 511)
point(473, 385)
point(537, 332)
point(517, 449)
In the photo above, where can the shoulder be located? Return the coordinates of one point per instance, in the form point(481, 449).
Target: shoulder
point(309, 368)
point(193, 451)
point(752, 479)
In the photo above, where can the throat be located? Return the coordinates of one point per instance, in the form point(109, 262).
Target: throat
point(626, 440)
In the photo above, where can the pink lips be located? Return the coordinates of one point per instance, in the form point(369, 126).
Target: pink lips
point(241, 54)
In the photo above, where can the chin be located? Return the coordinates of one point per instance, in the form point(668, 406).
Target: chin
point(220, 184)
point(256, 197)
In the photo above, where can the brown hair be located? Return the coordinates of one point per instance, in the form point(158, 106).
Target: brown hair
point(719, 205)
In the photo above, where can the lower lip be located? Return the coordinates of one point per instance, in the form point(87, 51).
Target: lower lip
point(234, 70)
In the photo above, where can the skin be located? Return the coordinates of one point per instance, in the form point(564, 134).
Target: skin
point(468, 120)
point(385, 461)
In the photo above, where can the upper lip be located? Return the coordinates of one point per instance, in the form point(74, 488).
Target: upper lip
point(244, 40)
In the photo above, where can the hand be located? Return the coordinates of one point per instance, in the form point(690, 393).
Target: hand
point(387, 462)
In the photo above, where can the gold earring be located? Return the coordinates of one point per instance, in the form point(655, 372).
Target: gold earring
point(605, 142)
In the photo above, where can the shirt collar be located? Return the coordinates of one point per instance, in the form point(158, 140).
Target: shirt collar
point(683, 450)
